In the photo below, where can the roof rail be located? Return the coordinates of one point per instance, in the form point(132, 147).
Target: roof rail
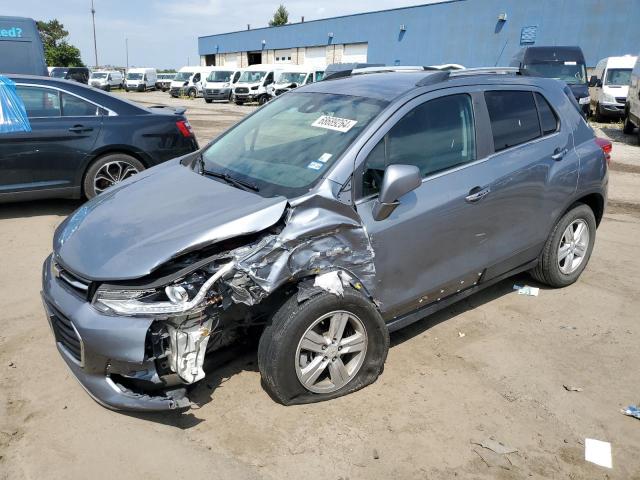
point(400, 68)
point(486, 70)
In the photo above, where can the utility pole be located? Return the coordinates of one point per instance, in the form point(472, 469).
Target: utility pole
point(95, 45)
point(126, 48)
point(188, 61)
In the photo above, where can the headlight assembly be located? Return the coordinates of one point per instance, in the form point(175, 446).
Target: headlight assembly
point(131, 301)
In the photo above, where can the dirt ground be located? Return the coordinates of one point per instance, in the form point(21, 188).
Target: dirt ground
point(491, 367)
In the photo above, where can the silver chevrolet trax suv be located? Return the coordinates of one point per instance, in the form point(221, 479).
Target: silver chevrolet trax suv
point(332, 216)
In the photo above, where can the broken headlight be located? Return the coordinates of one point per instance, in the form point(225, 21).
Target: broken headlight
point(171, 299)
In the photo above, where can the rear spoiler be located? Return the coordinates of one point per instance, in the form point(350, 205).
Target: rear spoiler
point(176, 110)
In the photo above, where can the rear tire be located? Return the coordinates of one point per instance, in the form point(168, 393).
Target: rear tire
point(109, 170)
point(284, 360)
point(567, 252)
point(598, 117)
point(628, 126)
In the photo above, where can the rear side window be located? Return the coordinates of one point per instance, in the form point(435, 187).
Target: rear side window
point(40, 102)
point(76, 107)
point(514, 118)
point(548, 119)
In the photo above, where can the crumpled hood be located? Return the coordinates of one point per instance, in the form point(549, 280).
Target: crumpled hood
point(135, 227)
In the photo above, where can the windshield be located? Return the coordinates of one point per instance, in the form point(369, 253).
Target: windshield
point(134, 76)
point(99, 75)
point(251, 77)
point(618, 76)
point(569, 72)
point(183, 76)
point(166, 76)
point(292, 77)
point(289, 143)
point(219, 76)
point(59, 72)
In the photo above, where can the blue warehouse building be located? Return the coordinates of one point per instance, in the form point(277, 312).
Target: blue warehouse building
point(469, 32)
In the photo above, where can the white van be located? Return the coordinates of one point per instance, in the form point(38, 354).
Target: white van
point(106, 79)
point(141, 79)
point(632, 107)
point(294, 76)
point(609, 85)
point(219, 84)
point(253, 82)
point(189, 81)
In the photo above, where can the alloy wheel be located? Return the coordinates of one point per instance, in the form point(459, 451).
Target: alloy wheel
point(331, 352)
point(112, 173)
point(573, 246)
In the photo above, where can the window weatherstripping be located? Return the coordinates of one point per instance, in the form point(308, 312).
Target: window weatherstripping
point(110, 113)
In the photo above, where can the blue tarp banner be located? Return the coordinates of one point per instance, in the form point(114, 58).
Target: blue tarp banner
point(13, 116)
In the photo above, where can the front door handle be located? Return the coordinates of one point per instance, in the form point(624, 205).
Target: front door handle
point(476, 194)
point(559, 154)
point(80, 129)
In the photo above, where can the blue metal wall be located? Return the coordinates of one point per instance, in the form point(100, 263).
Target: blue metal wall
point(456, 31)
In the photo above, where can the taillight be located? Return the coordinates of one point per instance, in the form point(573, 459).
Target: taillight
point(185, 128)
point(606, 147)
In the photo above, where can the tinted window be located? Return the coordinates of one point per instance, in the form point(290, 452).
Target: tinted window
point(514, 119)
point(40, 102)
point(434, 136)
point(236, 77)
point(76, 107)
point(548, 118)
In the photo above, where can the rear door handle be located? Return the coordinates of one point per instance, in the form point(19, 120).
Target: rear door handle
point(80, 129)
point(476, 194)
point(559, 154)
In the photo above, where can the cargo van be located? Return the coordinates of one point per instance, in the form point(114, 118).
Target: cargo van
point(140, 79)
point(21, 48)
point(632, 106)
point(106, 79)
point(294, 76)
point(609, 85)
point(77, 74)
point(163, 81)
point(253, 82)
point(189, 81)
point(564, 63)
point(219, 84)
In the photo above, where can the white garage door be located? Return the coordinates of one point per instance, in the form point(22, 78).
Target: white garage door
point(231, 60)
point(282, 56)
point(355, 53)
point(315, 56)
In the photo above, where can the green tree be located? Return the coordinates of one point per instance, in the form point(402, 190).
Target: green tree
point(57, 51)
point(280, 17)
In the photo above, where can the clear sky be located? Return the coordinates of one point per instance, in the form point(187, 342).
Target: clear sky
point(163, 33)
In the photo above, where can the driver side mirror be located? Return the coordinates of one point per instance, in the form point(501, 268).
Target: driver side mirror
point(398, 181)
point(594, 82)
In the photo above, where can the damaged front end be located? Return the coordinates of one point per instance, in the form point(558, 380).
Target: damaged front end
point(212, 296)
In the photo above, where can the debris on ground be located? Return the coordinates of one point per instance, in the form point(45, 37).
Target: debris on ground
point(12, 365)
point(598, 452)
point(570, 388)
point(527, 290)
point(462, 334)
point(632, 411)
point(376, 455)
point(495, 446)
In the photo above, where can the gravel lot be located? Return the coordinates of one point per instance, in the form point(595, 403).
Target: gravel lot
point(491, 367)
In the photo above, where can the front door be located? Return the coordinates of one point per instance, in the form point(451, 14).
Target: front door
point(432, 244)
point(64, 129)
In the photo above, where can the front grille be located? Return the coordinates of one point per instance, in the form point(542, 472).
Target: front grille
point(212, 92)
point(242, 90)
point(74, 283)
point(621, 99)
point(65, 333)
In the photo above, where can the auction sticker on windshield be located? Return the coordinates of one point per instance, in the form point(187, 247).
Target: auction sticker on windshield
point(334, 123)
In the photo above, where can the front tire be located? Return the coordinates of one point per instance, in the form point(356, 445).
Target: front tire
point(568, 248)
point(323, 348)
point(109, 170)
point(192, 93)
point(628, 126)
point(208, 100)
point(263, 99)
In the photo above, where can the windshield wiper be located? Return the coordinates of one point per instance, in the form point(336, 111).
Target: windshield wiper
point(231, 180)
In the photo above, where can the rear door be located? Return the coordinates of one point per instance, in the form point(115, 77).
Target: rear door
point(535, 170)
point(64, 131)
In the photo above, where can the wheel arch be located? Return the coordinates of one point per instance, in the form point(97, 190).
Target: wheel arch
point(110, 150)
point(595, 201)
